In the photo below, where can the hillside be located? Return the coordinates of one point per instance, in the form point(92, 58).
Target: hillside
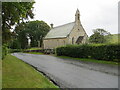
point(113, 38)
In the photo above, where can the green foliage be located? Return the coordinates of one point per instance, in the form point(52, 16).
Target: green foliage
point(23, 40)
point(34, 48)
point(15, 50)
point(89, 60)
point(98, 36)
point(17, 74)
point(14, 13)
point(4, 50)
point(99, 52)
point(38, 30)
point(101, 31)
point(113, 38)
point(15, 44)
point(35, 30)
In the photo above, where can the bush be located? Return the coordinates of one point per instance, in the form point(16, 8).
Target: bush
point(94, 51)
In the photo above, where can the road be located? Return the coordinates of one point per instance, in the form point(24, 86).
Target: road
point(68, 75)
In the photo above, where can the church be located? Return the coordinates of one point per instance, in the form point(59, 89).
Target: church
point(70, 33)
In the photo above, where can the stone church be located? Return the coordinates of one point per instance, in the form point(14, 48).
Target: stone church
point(70, 33)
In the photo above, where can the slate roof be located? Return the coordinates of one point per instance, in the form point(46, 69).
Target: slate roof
point(60, 31)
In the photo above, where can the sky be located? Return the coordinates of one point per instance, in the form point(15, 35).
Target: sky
point(93, 13)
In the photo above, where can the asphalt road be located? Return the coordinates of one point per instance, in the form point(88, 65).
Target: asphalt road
point(68, 75)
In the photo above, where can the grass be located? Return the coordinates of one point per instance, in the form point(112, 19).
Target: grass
point(90, 60)
point(34, 48)
point(34, 53)
point(83, 59)
point(114, 38)
point(17, 74)
point(1, 74)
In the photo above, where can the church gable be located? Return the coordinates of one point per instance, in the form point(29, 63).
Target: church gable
point(78, 34)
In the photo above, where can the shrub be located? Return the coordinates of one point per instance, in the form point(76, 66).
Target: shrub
point(100, 52)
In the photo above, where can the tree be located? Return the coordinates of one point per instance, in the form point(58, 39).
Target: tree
point(20, 35)
point(98, 36)
point(15, 44)
point(36, 31)
point(14, 13)
point(33, 30)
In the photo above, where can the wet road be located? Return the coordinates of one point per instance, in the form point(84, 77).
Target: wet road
point(67, 75)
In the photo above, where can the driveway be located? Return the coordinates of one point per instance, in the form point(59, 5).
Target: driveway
point(69, 75)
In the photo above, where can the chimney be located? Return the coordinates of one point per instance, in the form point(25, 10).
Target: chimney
point(51, 26)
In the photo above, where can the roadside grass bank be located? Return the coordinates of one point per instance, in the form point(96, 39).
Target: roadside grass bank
point(17, 74)
point(90, 60)
point(34, 53)
point(0, 74)
point(34, 48)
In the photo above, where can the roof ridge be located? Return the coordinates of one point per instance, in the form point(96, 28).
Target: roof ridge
point(62, 25)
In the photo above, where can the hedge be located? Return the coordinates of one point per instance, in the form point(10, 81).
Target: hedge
point(15, 50)
point(99, 52)
point(45, 51)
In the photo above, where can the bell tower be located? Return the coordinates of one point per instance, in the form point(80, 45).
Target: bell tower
point(77, 16)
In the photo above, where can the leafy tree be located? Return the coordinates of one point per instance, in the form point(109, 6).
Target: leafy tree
point(14, 13)
point(22, 38)
point(15, 44)
point(33, 30)
point(98, 36)
point(36, 31)
point(101, 32)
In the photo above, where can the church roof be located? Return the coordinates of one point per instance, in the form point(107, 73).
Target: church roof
point(60, 31)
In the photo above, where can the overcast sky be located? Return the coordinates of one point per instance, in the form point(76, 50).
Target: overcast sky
point(94, 13)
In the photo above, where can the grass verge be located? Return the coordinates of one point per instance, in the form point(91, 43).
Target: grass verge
point(34, 48)
point(90, 60)
point(34, 53)
point(17, 74)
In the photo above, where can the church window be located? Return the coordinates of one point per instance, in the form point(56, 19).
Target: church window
point(78, 17)
point(64, 42)
point(73, 40)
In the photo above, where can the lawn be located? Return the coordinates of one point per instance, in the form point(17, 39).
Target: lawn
point(34, 53)
point(90, 60)
point(1, 74)
point(17, 74)
point(34, 48)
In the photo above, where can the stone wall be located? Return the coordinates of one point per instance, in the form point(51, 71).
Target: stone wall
point(53, 43)
point(77, 31)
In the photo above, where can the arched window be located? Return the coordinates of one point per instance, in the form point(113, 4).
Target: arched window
point(78, 16)
point(64, 42)
point(73, 40)
point(80, 39)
